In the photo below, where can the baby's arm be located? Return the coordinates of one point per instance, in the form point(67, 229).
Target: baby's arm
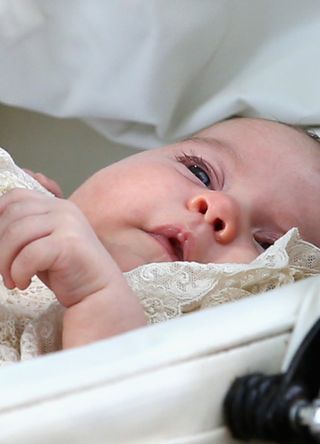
point(50, 237)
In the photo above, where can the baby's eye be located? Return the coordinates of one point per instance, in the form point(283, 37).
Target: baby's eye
point(200, 174)
point(264, 244)
point(198, 167)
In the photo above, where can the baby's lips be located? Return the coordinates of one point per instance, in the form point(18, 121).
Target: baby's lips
point(175, 240)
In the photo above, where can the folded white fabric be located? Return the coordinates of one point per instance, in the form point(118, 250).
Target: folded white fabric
point(30, 320)
point(144, 72)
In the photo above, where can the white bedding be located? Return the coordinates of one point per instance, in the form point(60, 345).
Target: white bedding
point(148, 71)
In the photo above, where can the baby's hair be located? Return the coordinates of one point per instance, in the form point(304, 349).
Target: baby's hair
point(311, 133)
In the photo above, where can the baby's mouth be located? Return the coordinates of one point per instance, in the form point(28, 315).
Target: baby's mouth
point(176, 248)
point(173, 240)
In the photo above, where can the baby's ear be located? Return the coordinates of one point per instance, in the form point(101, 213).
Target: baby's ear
point(50, 184)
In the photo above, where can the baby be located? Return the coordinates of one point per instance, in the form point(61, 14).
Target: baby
point(222, 196)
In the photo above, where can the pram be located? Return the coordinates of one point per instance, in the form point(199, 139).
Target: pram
point(167, 385)
point(164, 385)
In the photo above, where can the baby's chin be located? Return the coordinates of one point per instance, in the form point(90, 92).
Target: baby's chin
point(130, 262)
point(125, 258)
point(128, 259)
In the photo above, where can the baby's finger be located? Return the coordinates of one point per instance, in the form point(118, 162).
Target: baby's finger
point(50, 184)
point(18, 195)
point(34, 258)
point(18, 210)
point(8, 282)
point(17, 235)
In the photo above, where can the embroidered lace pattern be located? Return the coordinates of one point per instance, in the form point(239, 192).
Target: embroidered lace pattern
point(169, 290)
point(31, 320)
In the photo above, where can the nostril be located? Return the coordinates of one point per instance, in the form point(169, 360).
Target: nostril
point(203, 207)
point(218, 224)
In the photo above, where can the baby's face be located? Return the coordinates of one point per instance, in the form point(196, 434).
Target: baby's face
point(222, 196)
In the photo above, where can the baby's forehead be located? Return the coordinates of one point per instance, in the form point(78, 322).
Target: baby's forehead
point(263, 134)
point(260, 127)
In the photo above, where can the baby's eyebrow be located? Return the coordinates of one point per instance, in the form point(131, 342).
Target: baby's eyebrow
point(215, 144)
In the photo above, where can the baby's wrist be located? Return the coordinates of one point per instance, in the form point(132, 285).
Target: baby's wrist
point(108, 312)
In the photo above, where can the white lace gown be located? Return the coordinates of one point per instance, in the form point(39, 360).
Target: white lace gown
point(30, 320)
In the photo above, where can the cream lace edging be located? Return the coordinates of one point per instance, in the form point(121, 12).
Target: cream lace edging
point(169, 290)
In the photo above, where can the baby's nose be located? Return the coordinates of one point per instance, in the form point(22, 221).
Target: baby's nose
point(219, 210)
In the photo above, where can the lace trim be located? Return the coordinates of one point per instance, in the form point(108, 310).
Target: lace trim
point(168, 290)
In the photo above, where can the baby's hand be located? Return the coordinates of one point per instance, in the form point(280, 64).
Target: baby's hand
point(49, 184)
point(51, 237)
